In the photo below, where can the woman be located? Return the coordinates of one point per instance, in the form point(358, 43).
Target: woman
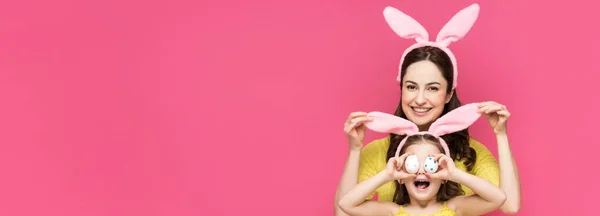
point(428, 80)
point(426, 95)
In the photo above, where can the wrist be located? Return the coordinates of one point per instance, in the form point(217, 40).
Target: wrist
point(384, 177)
point(502, 138)
point(355, 149)
point(501, 134)
point(457, 175)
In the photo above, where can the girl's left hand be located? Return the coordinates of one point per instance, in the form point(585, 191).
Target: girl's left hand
point(446, 167)
point(496, 114)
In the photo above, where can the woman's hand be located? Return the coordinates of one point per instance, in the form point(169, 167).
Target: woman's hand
point(394, 168)
point(496, 114)
point(355, 129)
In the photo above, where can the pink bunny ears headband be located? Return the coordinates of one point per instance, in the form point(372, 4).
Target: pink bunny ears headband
point(455, 120)
point(408, 28)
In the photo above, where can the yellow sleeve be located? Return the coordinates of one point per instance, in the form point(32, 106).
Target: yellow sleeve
point(371, 157)
point(486, 166)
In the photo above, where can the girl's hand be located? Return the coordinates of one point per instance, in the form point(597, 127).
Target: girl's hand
point(394, 168)
point(446, 167)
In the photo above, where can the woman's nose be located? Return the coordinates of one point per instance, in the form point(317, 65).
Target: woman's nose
point(420, 99)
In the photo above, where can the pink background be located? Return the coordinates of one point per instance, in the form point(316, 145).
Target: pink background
point(236, 107)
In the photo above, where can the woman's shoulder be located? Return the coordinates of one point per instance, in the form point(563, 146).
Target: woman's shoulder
point(486, 166)
point(377, 148)
point(380, 147)
point(477, 146)
point(381, 144)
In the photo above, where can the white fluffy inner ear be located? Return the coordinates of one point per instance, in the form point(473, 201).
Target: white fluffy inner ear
point(404, 25)
point(459, 25)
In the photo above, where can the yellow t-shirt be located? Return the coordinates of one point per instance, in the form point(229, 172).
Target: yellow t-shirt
point(442, 212)
point(373, 160)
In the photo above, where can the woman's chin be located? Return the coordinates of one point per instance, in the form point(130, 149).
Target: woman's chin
point(423, 119)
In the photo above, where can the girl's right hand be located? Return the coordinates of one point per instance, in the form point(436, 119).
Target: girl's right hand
point(394, 168)
point(355, 129)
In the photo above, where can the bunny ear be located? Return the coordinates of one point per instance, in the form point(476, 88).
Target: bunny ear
point(404, 25)
point(455, 120)
point(459, 25)
point(387, 123)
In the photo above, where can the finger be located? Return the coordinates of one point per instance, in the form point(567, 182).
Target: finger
point(356, 114)
point(442, 160)
point(490, 109)
point(360, 127)
point(503, 113)
point(485, 103)
point(433, 175)
point(438, 157)
point(360, 120)
point(394, 159)
point(349, 127)
point(404, 175)
point(393, 164)
point(494, 108)
point(399, 163)
point(409, 176)
point(403, 156)
point(483, 109)
point(391, 160)
point(447, 162)
point(489, 103)
point(390, 165)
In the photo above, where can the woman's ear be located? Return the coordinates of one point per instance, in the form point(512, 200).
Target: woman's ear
point(449, 95)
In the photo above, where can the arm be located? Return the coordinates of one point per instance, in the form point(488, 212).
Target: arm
point(486, 165)
point(489, 197)
point(497, 116)
point(355, 133)
point(359, 167)
point(509, 177)
point(353, 203)
point(349, 178)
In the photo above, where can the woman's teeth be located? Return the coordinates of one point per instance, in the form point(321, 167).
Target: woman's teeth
point(421, 110)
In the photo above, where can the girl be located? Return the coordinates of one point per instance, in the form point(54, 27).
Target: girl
point(428, 191)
